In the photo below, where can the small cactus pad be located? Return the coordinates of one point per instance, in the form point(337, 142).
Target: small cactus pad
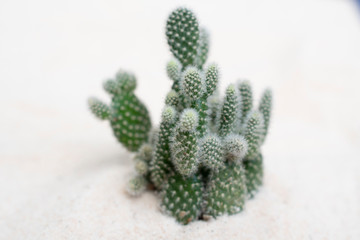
point(172, 99)
point(193, 83)
point(265, 109)
point(226, 191)
point(160, 165)
point(184, 144)
point(202, 104)
point(182, 31)
point(214, 105)
point(235, 147)
point(229, 112)
point(211, 152)
point(203, 48)
point(182, 198)
point(130, 120)
point(189, 120)
point(245, 92)
point(202, 108)
point(136, 185)
point(254, 173)
point(98, 108)
point(173, 69)
point(254, 131)
point(111, 87)
point(125, 81)
point(145, 152)
point(141, 167)
point(211, 78)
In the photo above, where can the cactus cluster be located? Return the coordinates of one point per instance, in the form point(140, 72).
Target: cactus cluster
point(205, 157)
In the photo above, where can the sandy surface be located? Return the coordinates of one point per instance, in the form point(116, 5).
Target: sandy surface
point(62, 174)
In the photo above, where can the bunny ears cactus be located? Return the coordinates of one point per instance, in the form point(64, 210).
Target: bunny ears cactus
point(128, 116)
point(205, 157)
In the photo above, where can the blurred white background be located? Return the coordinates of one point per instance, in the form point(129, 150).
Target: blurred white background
point(55, 54)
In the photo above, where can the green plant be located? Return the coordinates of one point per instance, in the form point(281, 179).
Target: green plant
point(205, 158)
point(128, 116)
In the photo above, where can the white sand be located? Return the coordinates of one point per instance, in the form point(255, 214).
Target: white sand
point(62, 174)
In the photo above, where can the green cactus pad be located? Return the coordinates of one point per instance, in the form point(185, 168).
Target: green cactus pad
point(141, 167)
point(99, 109)
point(254, 173)
point(203, 48)
point(145, 152)
point(182, 198)
point(130, 120)
point(202, 108)
point(226, 191)
point(182, 31)
point(214, 105)
point(124, 82)
point(202, 104)
point(184, 146)
point(161, 164)
point(172, 99)
point(193, 84)
point(211, 152)
point(211, 78)
point(173, 69)
point(246, 98)
point(235, 147)
point(254, 131)
point(111, 87)
point(153, 134)
point(229, 112)
point(265, 109)
point(136, 185)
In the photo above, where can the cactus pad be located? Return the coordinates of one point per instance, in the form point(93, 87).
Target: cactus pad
point(182, 198)
point(182, 31)
point(226, 191)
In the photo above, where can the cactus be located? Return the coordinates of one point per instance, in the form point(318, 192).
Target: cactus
point(129, 118)
point(211, 152)
point(184, 144)
point(202, 104)
point(254, 131)
point(192, 84)
point(172, 99)
point(226, 192)
point(203, 48)
point(235, 147)
point(246, 99)
point(214, 105)
point(254, 173)
point(182, 198)
point(205, 157)
point(136, 185)
point(265, 109)
point(161, 164)
point(229, 112)
point(182, 31)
